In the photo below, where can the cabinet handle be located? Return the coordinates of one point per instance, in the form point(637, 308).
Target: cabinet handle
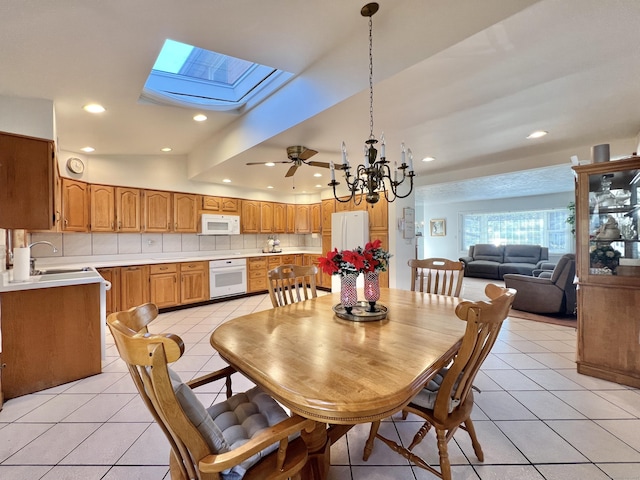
point(164, 268)
point(65, 222)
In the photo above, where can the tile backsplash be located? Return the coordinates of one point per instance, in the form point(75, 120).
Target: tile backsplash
point(83, 244)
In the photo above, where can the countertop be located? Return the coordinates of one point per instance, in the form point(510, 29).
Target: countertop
point(61, 279)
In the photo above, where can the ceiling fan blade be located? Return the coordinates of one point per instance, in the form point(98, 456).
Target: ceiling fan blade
point(307, 153)
point(264, 163)
point(291, 171)
point(337, 166)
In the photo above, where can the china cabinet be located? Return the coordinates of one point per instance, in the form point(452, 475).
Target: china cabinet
point(608, 270)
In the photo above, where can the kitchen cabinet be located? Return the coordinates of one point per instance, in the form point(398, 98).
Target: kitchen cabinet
point(378, 217)
point(608, 293)
point(163, 284)
point(250, 217)
point(194, 282)
point(303, 219)
point(256, 274)
point(112, 275)
point(27, 182)
point(103, 210)
point(310, 259)
point(327, 208)
point(128, 209)
point(316, 218)
point(326, 247)
point(76, 197)
point(134, 286)
point(266, 217)
point(157, 209)
point(185, 212)
point(221, 205)
point(50, 336)
point(279, 218)
point(291, 218)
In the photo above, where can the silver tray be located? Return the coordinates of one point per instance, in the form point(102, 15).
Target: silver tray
point(361, 312)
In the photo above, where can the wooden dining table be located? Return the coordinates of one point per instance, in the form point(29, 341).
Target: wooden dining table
point(342, 372)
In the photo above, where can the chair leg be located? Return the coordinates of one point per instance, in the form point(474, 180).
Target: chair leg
point(471, 430)
point(368, 447)
point(404, 414)
point(443, 450)
point(420, 434)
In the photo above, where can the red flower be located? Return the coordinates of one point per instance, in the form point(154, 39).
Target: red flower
point(327, 264)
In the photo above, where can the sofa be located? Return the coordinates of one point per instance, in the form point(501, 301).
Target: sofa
point(486, 260)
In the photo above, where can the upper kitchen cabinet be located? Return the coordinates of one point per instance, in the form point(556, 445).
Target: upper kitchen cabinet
point(103, 210)
point(316, 218)
point(303, 218)
point(128, 209)
point(75, 205)
point(291, 218)
point(328, 207)
point(266, 217)
point(221, 205)
point(378, 216)
point(156, 211)
point(250, 217)
point(185, 212)
point(27, 182)
point(279, 218)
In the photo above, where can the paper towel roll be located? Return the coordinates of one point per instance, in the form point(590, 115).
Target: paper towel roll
point(21, 264)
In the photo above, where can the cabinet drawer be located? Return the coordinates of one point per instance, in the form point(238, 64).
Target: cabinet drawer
point(257, 264)
point(256, 284)
point(273, 262)
point(163, 268)
point(257, 274)
point(288, 259)
point(192, 266)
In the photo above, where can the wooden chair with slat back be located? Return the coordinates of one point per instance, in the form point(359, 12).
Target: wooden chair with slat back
point(447, 400)
point(437, 275)
point(248, 435)
point(292, 283)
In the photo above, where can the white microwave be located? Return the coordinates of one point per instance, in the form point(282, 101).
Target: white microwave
point(220, 224)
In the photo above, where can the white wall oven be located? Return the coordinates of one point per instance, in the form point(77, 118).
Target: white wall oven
point(227, 277)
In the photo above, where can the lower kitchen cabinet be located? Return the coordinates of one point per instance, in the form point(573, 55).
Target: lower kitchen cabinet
point(134, 286)
point(194, 282)
point(112, 275)
point(163, 284)
point(256, 274)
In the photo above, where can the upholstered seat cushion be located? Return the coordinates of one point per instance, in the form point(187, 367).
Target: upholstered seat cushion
point(231, 423)
point(426, 398)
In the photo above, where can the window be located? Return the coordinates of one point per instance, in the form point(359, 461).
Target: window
point(536, 227)
point(189, 76)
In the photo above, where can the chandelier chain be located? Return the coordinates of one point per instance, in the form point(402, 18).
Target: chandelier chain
point(371, 136)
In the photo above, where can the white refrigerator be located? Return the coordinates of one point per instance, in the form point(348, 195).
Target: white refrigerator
point(348, 231)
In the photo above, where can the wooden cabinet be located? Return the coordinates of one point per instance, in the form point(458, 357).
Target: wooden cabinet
point(75, 205)
point(327, 208)
point(310, 259)
point(112, 275)
point(266, 217)
point(291, 218)
point(27, 182)
point(326, 247)
point(194, 282)
point(279, 218)
point(134, 286)
point(378, 217)
point(316, 218)
point(221, 204)
point(157, 210)
point(344, 206)
point(163, 284)
point(103, 210)
point(256, 274)
point(303, 219)
point(250, 217)
point(185, 212)
point(128, 210)
point(608, 292)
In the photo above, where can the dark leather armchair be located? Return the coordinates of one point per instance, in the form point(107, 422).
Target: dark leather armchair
point(556, 294)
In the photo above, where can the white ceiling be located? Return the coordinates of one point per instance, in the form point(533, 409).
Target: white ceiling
point(458, 81)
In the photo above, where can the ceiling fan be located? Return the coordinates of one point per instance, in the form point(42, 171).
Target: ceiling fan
point(299, 155)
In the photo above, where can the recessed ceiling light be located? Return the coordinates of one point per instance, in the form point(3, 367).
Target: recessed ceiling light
point(94, 108)
point(270, 164)
point(226, 180)
point(317, 174)
point(200, 118)
point(537, 134)
point(269, 186)
point(318, 186)
point(88, 149)
point(166, 149)
point(428, 159)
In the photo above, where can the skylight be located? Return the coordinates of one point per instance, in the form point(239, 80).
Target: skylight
point(189, 76)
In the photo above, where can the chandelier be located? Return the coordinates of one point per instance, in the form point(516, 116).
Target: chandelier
point(375, 174)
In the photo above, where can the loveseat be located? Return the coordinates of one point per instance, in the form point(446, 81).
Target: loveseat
point(494, 261)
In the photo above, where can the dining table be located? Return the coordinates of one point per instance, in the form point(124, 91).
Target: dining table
point(340, 372)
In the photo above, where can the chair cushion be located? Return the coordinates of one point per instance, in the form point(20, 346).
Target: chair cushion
point(522, 254)
point(426, 398)
point(487, 251)
point(231, 423)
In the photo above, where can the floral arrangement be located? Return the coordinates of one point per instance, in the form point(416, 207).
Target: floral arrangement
point(371, 258)
point(605, 256)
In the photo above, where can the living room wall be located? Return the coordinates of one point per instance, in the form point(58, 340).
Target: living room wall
point(448, 246)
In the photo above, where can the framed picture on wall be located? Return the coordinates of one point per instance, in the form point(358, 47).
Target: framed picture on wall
point(438, 227)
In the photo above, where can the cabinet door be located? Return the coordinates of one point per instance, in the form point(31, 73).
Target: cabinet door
point(250, 218)
point(344, 206)
point(75, 206)
point(326, 247)
point(316, 218)
point(112, 275)
point(266, 217)
point(279, 218)
point(27, 183)
point(185, 213)
point(303, 219)
point(128, 209)
point(134, 286)
point(194, 282)
point(378, 216)
point(103, 209)
point(257, 274)
point(163, 284)
point(211, 204)
point(291, 218)
point(156, 211)
point(313, 260)
point(230, 205)
point(328, 207)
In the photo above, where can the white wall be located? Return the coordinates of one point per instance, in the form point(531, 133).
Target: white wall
point(33, 117)
point(449, 245)
point(401, 248)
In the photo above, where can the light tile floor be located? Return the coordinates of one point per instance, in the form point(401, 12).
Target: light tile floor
point(536, 417)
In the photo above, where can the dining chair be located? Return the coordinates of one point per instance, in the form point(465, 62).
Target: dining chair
point(291, 283)
point(437, 275)
point(446, 401)
point(247, 435)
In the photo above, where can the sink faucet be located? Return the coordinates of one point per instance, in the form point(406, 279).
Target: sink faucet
point(33, 260)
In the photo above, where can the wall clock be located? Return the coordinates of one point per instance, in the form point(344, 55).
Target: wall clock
point(75, 165)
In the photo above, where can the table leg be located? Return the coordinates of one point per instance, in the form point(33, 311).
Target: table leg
point(319, 446)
